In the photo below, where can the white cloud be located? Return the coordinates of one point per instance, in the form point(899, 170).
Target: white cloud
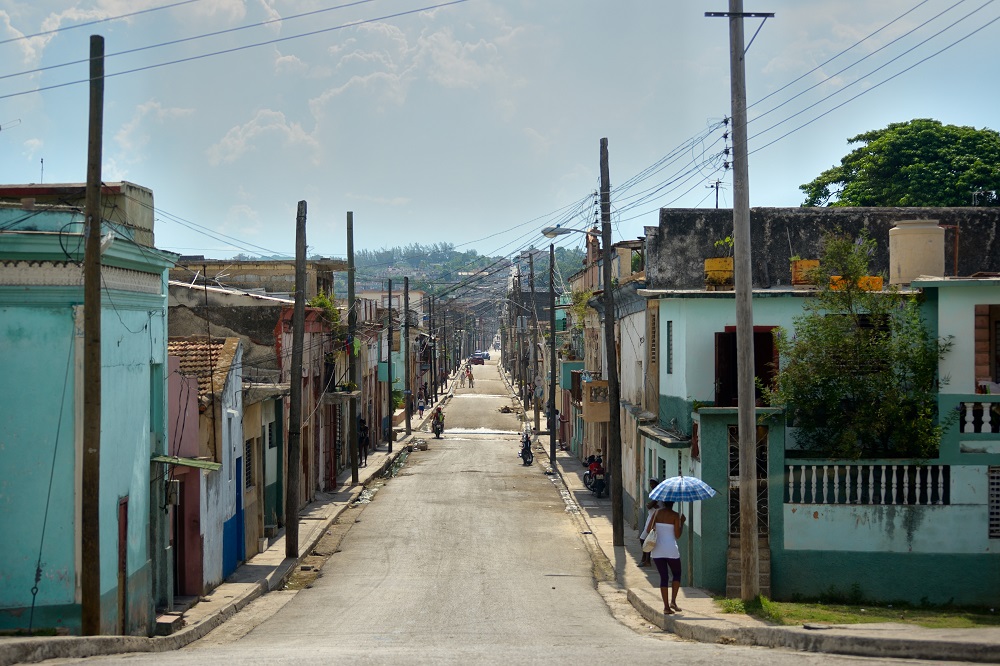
point(456, 64)
point(31, 148)
point(288, 64)
point(243, 219)
point(266, 123)
point(132, 137)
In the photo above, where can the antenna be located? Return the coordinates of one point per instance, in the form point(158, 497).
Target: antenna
point(41, 179)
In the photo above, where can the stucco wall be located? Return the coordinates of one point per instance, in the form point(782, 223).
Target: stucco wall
point(684, 237)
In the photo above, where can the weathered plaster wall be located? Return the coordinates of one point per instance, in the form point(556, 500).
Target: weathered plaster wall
point(677, 247)
point(38, 437)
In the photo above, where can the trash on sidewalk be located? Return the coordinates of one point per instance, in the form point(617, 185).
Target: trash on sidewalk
point(419, 444)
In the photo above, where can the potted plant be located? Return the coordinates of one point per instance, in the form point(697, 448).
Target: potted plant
point(802, 270)
point(719, 269)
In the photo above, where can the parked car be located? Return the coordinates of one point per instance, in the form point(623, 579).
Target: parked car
point(486, 355)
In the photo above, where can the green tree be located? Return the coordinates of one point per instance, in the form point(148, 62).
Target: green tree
point(859, 376)
point(916, 163)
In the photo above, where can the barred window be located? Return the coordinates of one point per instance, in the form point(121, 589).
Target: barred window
point(995, 502)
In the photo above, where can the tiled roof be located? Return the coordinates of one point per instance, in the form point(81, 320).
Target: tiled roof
point(208, 359)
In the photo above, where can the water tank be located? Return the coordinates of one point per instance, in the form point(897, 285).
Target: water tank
point(916, 247)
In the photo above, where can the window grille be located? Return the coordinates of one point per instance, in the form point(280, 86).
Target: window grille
point(248, 462)
point(654, 341)
point(670, 347)
point(995, 502)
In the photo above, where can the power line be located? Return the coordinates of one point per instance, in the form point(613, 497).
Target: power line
point(182, 40)
point(236, 49)
point(95, 22)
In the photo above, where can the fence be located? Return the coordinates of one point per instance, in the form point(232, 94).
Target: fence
point(868, 484)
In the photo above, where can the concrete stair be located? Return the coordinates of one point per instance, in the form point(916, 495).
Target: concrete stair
point(734, 569)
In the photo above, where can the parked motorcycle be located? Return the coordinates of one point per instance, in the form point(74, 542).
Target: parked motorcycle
point(587, 476)
point(597, 477)
point(527, 457)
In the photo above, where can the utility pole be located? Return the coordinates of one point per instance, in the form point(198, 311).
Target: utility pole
point(388, 369)
point(746, 408)
point(407, 393)
point(533, 375)
point(433, 364)
point(295, 394)
point(352, 362)
point(614, 398)
point(553, 420)
point(447, 351)
point(90, 482)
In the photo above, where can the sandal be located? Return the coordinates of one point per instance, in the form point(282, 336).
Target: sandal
point(667, 611)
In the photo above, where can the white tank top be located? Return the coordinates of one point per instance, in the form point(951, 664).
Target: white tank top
point(666, 542)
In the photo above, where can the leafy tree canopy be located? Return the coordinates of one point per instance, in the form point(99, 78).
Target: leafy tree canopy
point(916, 163)
point(859, 376)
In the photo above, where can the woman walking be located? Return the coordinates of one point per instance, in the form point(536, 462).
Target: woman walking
point(669, 526)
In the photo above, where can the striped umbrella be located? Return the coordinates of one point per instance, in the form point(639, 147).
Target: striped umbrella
point(682, 489)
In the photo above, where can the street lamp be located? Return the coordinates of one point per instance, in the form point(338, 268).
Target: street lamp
point(611, 359)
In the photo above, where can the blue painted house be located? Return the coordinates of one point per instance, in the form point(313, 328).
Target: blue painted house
point(41, 409)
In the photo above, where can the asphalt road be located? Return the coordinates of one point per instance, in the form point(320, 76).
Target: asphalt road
point(466, 556)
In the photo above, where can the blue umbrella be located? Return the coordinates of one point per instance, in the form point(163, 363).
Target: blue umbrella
point(682, 489)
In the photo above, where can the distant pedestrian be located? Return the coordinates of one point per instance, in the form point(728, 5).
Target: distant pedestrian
point(651, 507)
point(421, 405)
point(363, 440)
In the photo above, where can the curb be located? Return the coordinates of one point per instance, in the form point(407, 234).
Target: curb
point(827, 640)
point(30, 649)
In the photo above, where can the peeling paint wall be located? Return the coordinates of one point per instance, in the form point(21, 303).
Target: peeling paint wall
point(677, 247)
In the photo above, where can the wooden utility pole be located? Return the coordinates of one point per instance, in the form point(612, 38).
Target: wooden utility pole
point(533, 375)
point(90, 526)
point(295, 394)
point(553, 419)
point(746, 408)
point(611, 354)
point(433, 390)
point(352, 362)
point(407, 389)
point(388, 369)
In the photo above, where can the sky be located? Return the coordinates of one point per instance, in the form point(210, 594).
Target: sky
point(477, 122)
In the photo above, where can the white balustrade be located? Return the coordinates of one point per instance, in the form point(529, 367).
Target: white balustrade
point(987, 424)
point(883, 484)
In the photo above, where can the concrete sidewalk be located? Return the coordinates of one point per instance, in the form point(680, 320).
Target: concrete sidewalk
point(701, 620)
point(263, 573)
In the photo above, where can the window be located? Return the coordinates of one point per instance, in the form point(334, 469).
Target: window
point(248, 447)
point(995, 502)
point(670, 347)
point(765, 363)
point(654, 341)
point(271, 442)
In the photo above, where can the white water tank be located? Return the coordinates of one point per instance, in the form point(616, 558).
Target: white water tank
point(916, 247)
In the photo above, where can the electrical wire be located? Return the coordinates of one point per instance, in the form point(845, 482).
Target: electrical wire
point(236, 49)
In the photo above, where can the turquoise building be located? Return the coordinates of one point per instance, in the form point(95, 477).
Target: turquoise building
point(41, 359)
point(921, 531)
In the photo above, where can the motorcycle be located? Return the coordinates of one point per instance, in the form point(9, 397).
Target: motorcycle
point(438, 428)
point(588, 476)
point(527, 457)
point(597, 481)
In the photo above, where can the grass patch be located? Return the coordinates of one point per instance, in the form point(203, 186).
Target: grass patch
point(798, 613)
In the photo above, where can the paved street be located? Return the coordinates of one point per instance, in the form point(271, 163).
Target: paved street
point(466, 556)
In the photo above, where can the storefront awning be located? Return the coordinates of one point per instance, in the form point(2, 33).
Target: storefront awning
point(187, 462)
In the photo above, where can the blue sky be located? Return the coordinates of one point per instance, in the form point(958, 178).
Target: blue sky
point(475, 123)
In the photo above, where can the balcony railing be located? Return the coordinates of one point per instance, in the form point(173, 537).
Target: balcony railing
point(980, 416)
point(906, 485)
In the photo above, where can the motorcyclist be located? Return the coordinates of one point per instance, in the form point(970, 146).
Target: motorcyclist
point(437, 420)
